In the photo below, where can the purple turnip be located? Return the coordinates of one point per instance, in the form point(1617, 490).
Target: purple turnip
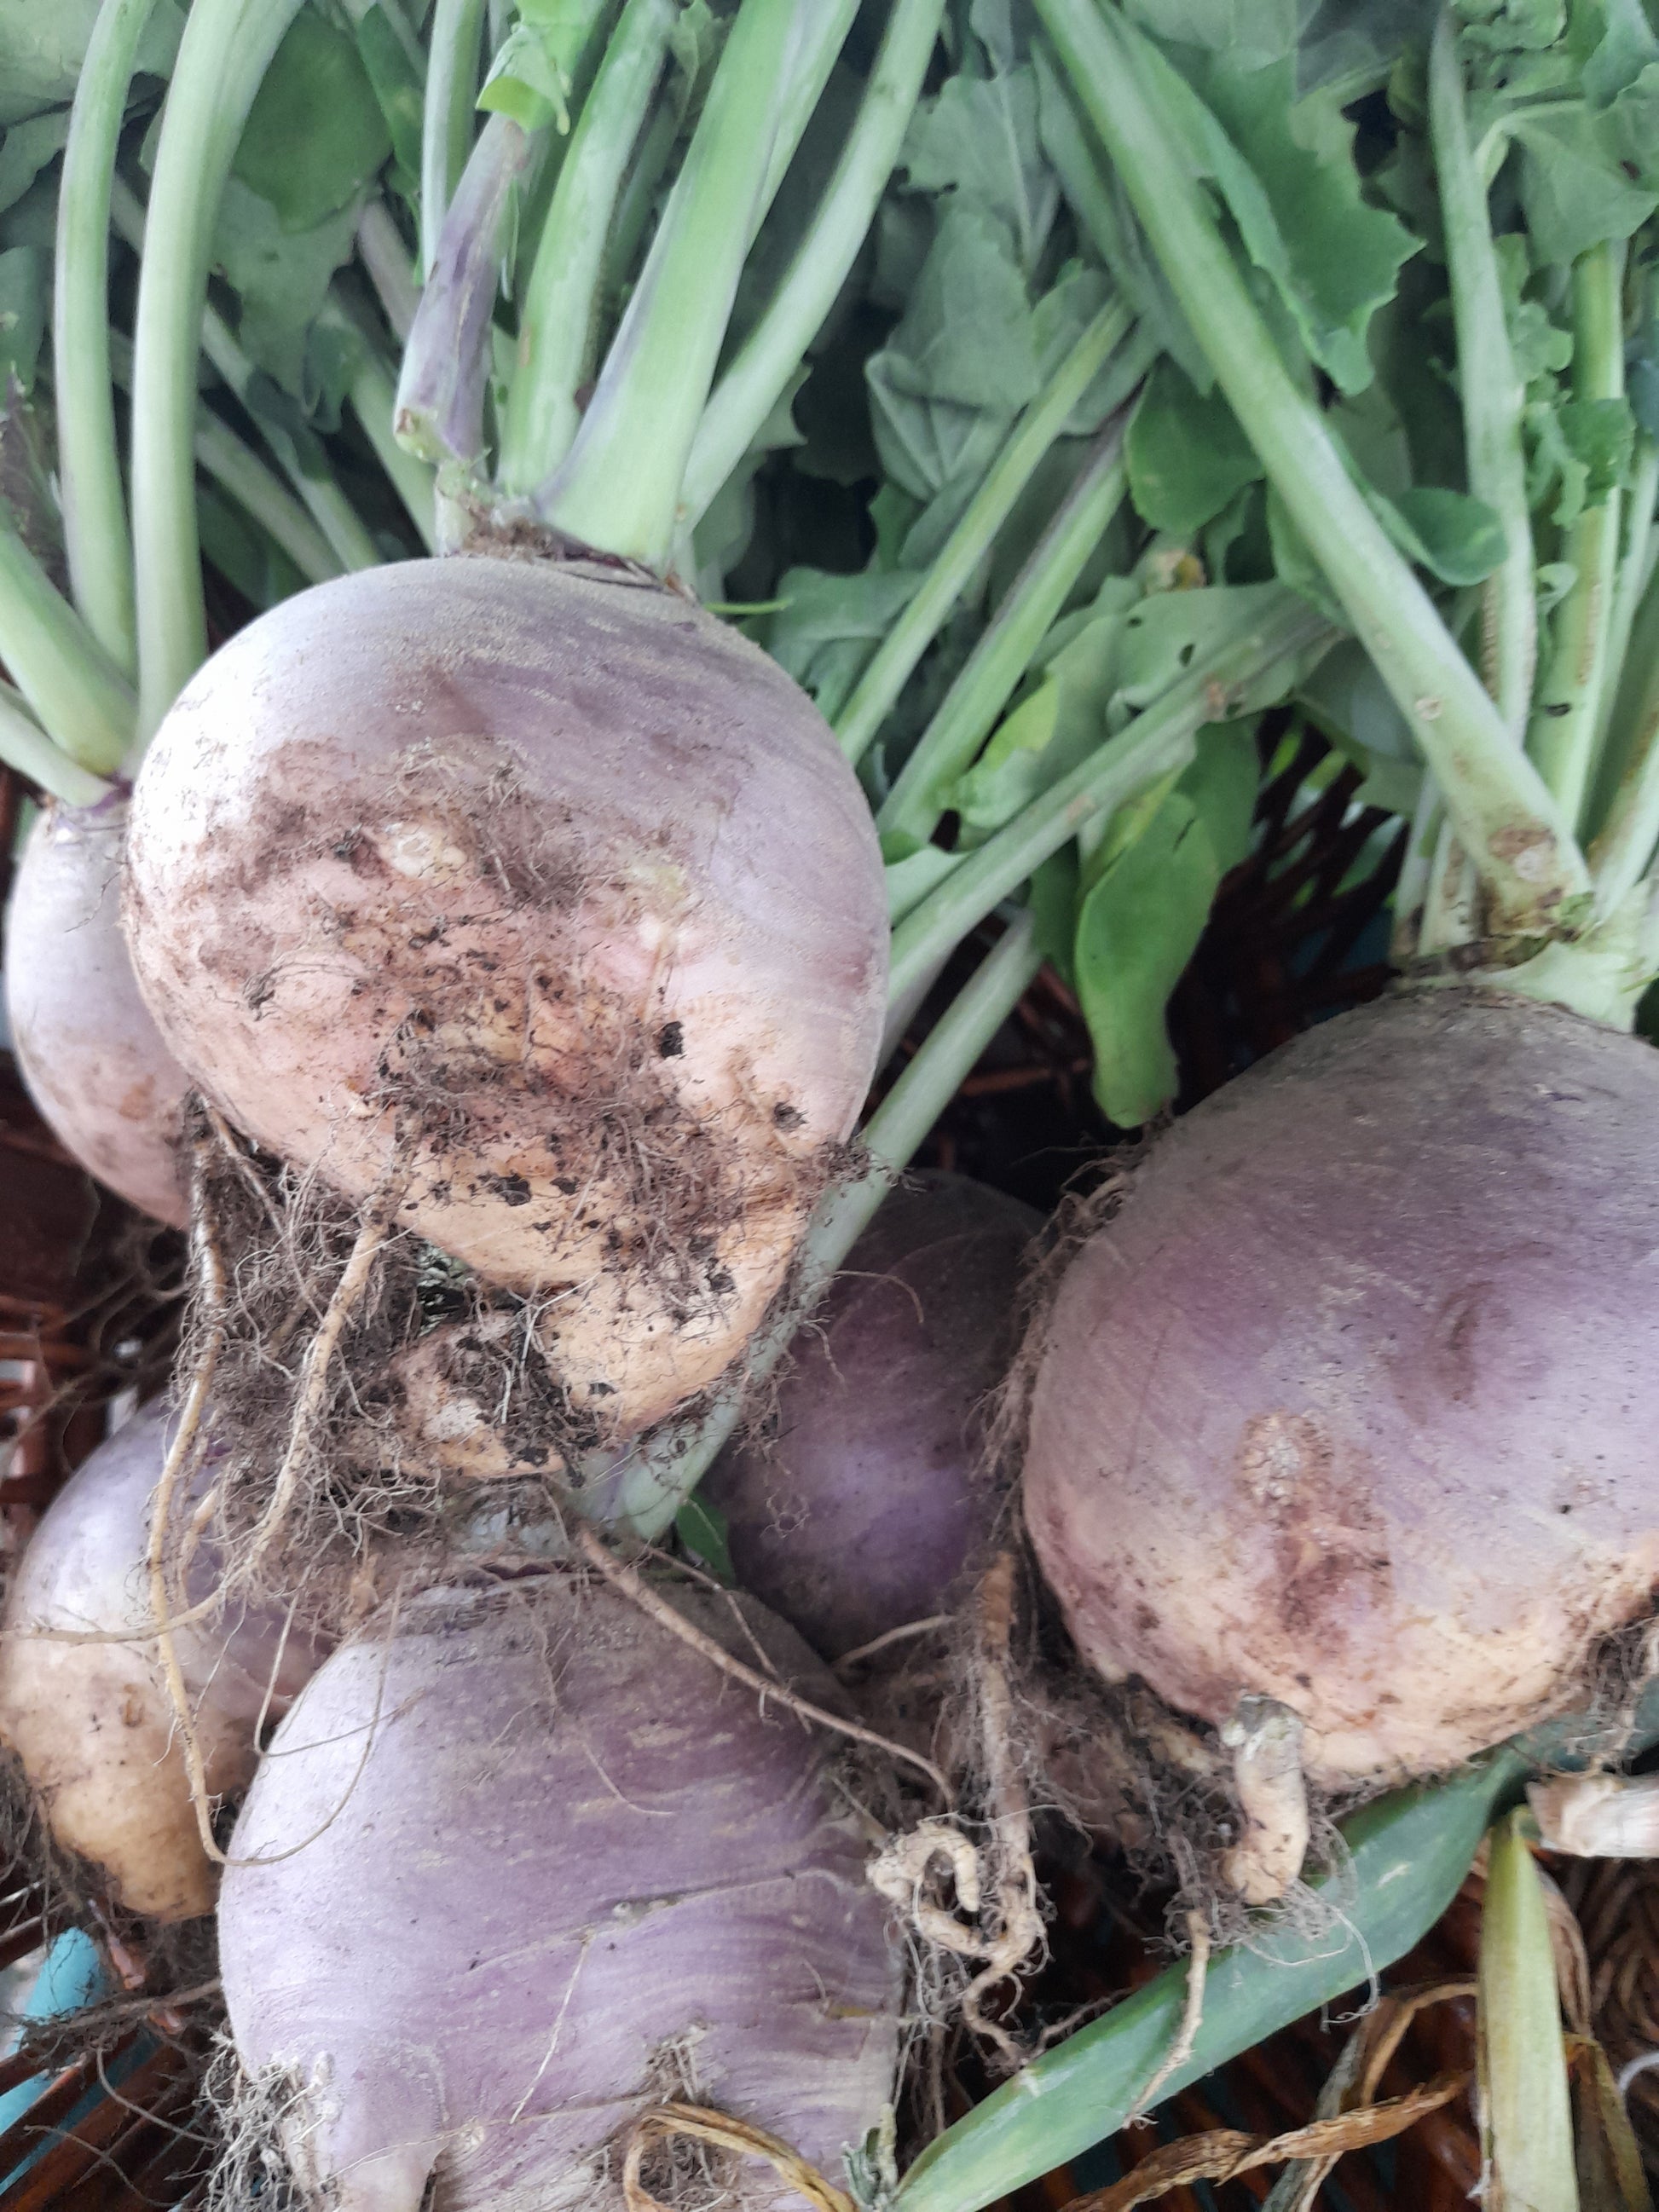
point(520, 1863)
point(92, 1722)
point(92, 1057)
point(1350, 1408)
point(536, 897)
point(858, 1512)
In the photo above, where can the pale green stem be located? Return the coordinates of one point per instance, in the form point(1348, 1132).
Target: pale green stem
point(558, 322)
point(638, 198)
point(1623, 853)
point(1160, 739)
point(402, 29)
point(1562, 733)
point(770, 356)
point(823, 33)
point(647, 1490)
point(1451, 907)
point(76, 692)
point(921, 621)
point(226, 49)
point(1615, 732)
point(383, 254)
point(350, 542)
point(449, 121)
point(1525, 2104)
point(96, 535)
point(25, 746)
point(1505, 814)
point(238, 470)
point(619, 487)
point(372, 392)
point(1416, 873)
point(1492, 390)
point(969, 709)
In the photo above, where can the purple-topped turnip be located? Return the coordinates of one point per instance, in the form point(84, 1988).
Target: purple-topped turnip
point(91, 1055)
point(538, 897)
point(858, 1508)
point(521, 1863)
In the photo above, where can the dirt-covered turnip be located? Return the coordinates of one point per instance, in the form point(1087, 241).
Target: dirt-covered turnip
point(537, 894)
point(520, 1863)
point(92, 1722)
point(91, 1055)
point(1352, 1406)
point(857, 1510)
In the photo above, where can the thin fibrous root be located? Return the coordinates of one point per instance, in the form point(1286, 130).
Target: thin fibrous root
point(700, 2124)
point(1192, 2016)
point(1021, 1934)
point(634, 1587)
point(1265, 1740)
point(183, 1456)
point(997, 1922)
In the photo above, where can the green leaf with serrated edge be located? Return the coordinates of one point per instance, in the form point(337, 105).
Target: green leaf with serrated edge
point(1285, 169)
point(977, 138)
point(702, 1528)
point(1185, 454)
point(315, 135)
point(281, 278)
point(397, 84)
point(1574, 191)
point(1405, 1858)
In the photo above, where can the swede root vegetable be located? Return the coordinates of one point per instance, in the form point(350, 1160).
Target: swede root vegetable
point(91, 1721)
point(546, 898)
point(859, 1510)
point(521, 1865)
point(1350, 1405)
point(94, 1060)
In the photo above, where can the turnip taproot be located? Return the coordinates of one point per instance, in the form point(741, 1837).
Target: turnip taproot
point(91, 1721)
point(545, 899)
point(858, 1509)
point(1350, 1405)
point(94, 1060)
point(520, 1863)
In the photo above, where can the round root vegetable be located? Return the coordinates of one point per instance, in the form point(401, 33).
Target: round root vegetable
point(537, 897)
point(860, 1512)
point(523, 1863)
point(91, 1055)
point(1352, 1406)
point(92, 1722)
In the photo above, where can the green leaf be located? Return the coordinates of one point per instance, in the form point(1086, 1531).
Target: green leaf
point(1186, 455)
point(399, 87)
point(315, 135)
point(1253, 33)
point(1055, 887)
point(281, 277)
point(977, 138)
point(826, 634)
point(1286, 171)
point(242, 553)
point(25, 277)
point(1138, 923)
point(1456, 537)
point(1405, 1857)
point(702, 1528)
point(1574, 191)
point(962, 363)
point(1601, 433)
point(43, 42)
point(26, 150)
point(1009, 772)
point(1625, 48)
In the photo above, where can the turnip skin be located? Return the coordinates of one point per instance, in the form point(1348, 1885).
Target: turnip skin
point(563, 1819)
point(92, 1056)
point(554, 889)
point(1352, 1405)
point(92, 1723)
point(860, 1511)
